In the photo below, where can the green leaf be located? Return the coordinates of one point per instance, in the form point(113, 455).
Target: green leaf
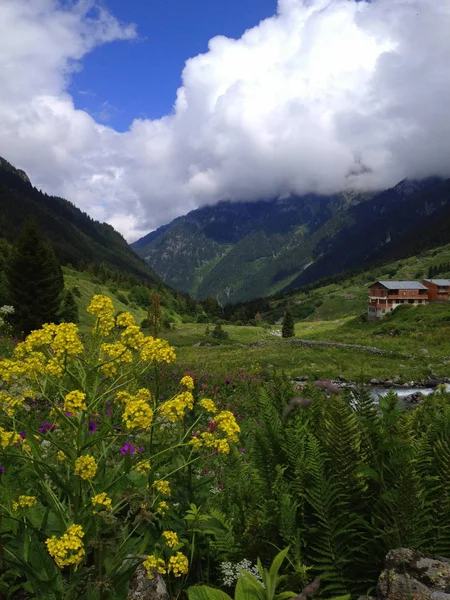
point(204, 592)
point(277, 561)
point(246, 590)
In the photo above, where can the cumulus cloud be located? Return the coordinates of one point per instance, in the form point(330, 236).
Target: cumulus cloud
point(324, 96)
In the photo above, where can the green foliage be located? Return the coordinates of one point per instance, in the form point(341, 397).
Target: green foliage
point(69, 308)
point(248, 587)
point(219, 333)
point(342, 481)
point(35, 281)
point(287, 331)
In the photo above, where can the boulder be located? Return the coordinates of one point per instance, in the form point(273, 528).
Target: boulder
point(410, 575)
point(143, 588)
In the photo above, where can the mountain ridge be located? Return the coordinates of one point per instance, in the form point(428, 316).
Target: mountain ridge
point(242, 250)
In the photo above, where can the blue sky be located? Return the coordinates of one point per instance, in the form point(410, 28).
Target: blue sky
point(126, 80)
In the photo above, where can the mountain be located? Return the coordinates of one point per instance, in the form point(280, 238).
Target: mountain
point(77, 239)
point(242, 250)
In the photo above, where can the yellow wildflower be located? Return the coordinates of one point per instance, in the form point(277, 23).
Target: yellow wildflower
point(162, 486)
point(10, 404)
point(69, 548)
point(226, 422)
point(132, 337)
point(143, 468)
point(66, 340)
point(103, 307)
point(171, 538)
point(151, 563)
point(85, 467)
point(125, 319)
point(157, 350)
point(61, 456)
point(178, 564)
point(208, 405)
point(162, 509)
point(114, 354)
point(102, 499)
point(187, 382)
point(74, 402)
point(24, 502)
point(137, 413)
point(176, 408)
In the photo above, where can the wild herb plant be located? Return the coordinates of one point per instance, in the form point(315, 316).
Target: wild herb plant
point(90, 463)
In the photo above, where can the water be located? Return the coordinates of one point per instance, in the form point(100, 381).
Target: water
point(404, 392)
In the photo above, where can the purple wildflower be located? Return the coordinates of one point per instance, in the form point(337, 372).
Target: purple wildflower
point(22, 434)
point(92, 427)
point(46, 427)
point(128, 448)
point(2, 469)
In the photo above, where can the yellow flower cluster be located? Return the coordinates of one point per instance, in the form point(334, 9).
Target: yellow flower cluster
point(9, 404)
point(69, 549)
point(152, 563)
point(103, 308)
point(102, 500)
point(176, 408)
point(162, 509)
point(11, 438)
point(156, 350)
point(143, 468)
point(86, 467)
point(132, 337)
point(137, 411)
point(114, 354)
point(208, 405)
point(61, 456)
point(224, 423)
point(61, 341)
point(187, 382)
point(125, 319)
point(24, 502)
point(171, 538)
point(162, 486)
point(74, 402)
point(210, 441)
point(178, 564)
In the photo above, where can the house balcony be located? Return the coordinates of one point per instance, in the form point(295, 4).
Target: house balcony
point(379, 305)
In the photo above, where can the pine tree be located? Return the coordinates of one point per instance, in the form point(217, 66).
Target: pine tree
point(287, 331)
point(69, 309)
point(35, 281)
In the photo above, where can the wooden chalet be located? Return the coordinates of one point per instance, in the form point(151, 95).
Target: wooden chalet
point(438, 289)
point(384, 296)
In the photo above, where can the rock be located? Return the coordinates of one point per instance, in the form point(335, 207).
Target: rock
point(143, 588)
point(410, 575)
point(375, 381)
point(341, 378)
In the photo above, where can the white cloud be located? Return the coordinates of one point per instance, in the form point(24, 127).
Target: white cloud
point(325, 95)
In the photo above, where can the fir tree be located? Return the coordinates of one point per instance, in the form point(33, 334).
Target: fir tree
point(35, 281)
point(287, 331)
point(69, 309)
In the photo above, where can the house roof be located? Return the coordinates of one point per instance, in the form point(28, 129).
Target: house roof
point(439, 281)
point(402, 285)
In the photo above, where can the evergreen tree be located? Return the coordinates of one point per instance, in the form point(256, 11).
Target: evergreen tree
point(35, 281)
point(69, 309)
point(287, 331)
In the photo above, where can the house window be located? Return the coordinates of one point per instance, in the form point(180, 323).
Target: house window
point(404, 293)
